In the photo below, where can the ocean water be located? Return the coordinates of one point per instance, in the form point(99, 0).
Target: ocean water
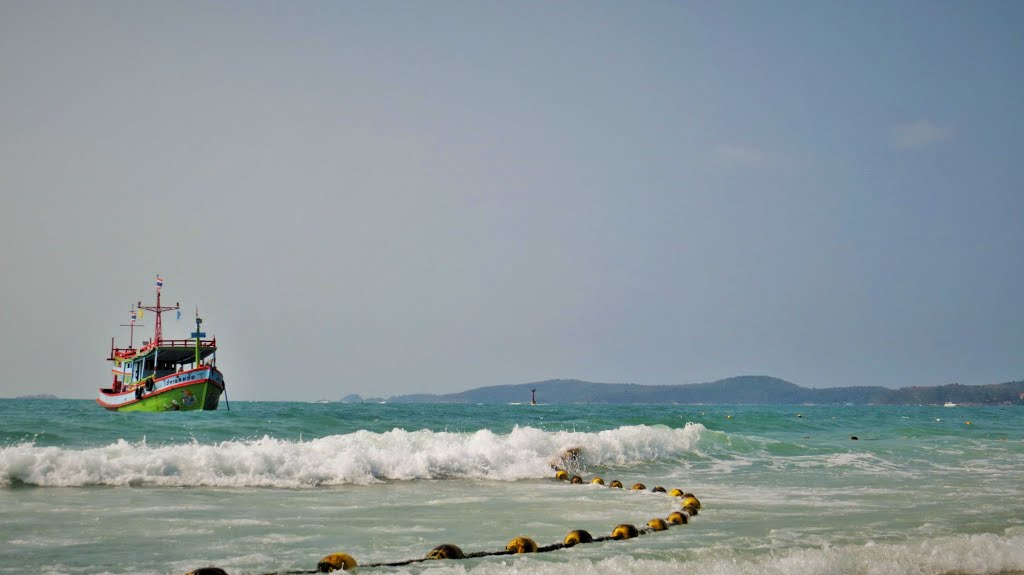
point(273, 487)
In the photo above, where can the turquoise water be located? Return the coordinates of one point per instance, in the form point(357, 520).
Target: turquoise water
point(271, 487)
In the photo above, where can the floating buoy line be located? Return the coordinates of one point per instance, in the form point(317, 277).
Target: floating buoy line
point(688, 502)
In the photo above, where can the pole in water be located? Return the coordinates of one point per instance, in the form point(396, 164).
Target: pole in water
point(226, 402)
point(533, 397)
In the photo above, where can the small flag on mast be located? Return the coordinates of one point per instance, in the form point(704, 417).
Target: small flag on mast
point(159, 282)
point(133, 314)
point(179, 314)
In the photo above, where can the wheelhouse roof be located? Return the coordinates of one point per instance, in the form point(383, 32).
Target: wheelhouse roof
point(169, 353)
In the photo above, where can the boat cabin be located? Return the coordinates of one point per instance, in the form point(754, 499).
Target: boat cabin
point(140, 366)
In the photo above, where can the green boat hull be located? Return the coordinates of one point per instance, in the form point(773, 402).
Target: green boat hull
point(204, 395)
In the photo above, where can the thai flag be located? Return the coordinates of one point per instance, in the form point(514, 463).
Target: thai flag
point(159, 282)
point(133, 315)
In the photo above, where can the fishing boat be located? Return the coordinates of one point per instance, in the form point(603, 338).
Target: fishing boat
point(164, 374)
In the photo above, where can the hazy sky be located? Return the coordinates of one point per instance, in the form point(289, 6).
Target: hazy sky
point(384, 198)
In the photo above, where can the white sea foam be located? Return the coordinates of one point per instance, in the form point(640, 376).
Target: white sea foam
point(362, 457)
point(982, 554)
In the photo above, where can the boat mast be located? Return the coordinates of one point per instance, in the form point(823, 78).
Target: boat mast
point(158, 309)
point(131, 332)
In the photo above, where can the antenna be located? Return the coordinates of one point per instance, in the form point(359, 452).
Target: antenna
point(131, 332)
point(158, 309)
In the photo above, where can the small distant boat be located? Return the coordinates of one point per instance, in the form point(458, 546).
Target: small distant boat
point(164, 374)
point(949, 404)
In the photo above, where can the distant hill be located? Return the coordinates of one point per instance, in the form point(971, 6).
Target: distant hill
point(746, 389)
point(38, 396)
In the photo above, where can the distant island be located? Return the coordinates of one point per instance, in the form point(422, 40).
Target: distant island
point(38, 396)
point(746, 389)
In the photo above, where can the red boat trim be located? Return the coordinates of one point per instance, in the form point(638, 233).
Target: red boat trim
point(161, 392)
point(218, 385)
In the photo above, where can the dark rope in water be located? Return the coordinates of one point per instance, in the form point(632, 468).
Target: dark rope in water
point(690, 505)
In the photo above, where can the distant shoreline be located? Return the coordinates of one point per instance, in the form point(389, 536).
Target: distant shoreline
point(740, 390)
point(745, 390)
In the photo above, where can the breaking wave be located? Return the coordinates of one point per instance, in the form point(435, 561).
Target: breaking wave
point(362, 457)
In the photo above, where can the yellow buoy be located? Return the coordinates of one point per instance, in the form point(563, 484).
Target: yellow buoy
point(597, 481)
point(576, 479)
point(967, 422)
point(728, 417)
point(335, 562)
point(522, 545)
point(657, 524)
point(208, 571)
point(562, 475)
point(690, 509)
point(638, 487)
point(676, 493)
point(446, 551)
point(658, 489)
point(616, 484)
point(624, 531)
point(576, 537)
point(677, 518)
point(691, 500)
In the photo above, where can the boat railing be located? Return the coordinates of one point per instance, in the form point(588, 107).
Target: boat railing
point(182, 343)
point(126, 352)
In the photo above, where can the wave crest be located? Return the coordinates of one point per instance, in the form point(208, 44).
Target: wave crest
point(362, 457)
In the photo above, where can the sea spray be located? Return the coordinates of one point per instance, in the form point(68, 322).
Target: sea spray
point(362, 457)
